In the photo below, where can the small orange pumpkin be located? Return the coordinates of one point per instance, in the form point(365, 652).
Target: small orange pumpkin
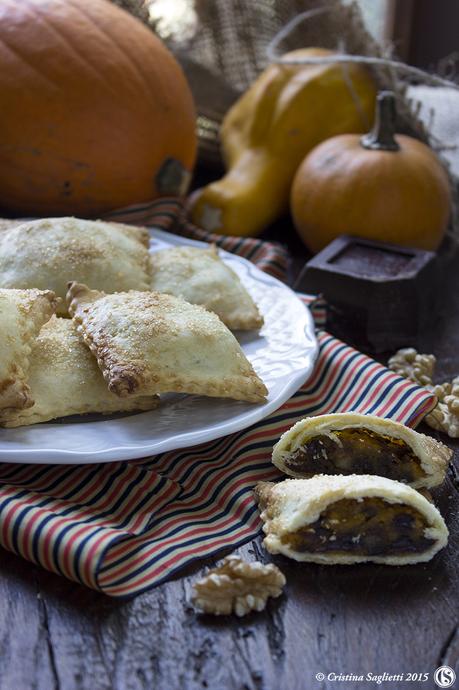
point(380, 186)
point(96, 113)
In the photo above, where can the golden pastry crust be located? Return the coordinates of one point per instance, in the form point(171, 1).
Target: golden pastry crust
point(148, 342)
point(297, 504)
point(8, 223)
point(201, 277)
point(22, 314)
point(50, 252)
point(432, 455)
point(64, 380)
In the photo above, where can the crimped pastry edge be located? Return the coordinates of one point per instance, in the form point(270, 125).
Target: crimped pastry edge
point(17, 395)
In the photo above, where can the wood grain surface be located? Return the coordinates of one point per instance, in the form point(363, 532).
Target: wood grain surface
point(56, 635)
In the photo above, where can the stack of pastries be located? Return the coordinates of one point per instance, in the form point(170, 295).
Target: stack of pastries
point(91, 322)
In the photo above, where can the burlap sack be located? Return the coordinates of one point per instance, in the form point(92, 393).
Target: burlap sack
point(223, 46)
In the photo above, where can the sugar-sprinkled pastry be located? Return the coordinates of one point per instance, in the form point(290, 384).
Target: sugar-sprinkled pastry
point(353, 519)
point(22, 314)
point(149, 342)
point(351, 443)
point(201, 277)
point(64, 380)
point(51, 252)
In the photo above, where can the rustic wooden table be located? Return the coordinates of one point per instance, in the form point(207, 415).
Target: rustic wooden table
point(331, 620)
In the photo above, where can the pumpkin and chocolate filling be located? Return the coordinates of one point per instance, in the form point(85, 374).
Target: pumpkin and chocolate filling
point(369, 527)
point(338, 519)
point(353, 451)
point(350, 443)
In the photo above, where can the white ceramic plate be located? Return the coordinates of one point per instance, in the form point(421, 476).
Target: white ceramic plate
point(283, 355)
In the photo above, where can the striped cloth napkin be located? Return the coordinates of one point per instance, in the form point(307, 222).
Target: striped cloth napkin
point(124, 527)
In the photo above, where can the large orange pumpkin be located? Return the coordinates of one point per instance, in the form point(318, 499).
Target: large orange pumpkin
point(95, 112)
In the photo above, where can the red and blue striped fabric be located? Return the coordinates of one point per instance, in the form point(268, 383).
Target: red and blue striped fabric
point(123, 528)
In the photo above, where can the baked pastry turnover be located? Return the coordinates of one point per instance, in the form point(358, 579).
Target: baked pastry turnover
point(49, 253)
point(350, 519)
point(64, 379)
point(22, 314)
point(201, 277)
point(148, 342)
point(351, 443)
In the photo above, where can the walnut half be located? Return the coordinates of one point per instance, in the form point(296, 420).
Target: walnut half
point(412, 365)
point(237, 587)
point(419, 368)
point(445, 416)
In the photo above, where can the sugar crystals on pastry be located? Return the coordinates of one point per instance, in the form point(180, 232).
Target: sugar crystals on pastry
point(8, 223)
point(64, 379)
point(201, 277)
point(352, 519)
point(50, 252)
point(149, 342)
point(351, 443)
point(22, 314)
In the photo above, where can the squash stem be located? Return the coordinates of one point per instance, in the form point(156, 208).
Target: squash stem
point(381, 137)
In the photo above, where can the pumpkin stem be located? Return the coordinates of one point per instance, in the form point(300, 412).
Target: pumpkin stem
point(381, 137)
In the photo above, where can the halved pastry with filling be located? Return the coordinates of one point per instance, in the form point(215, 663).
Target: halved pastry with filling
point(351, 443)
point(350, 520)
point(50, 252)
point(22, 314)
point(201, 277)
point(64, 379)
point(149, 342)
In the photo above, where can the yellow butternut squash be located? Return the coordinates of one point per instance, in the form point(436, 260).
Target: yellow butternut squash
point(266, 134)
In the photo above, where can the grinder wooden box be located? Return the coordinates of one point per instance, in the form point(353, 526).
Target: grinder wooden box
point(382, 293)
